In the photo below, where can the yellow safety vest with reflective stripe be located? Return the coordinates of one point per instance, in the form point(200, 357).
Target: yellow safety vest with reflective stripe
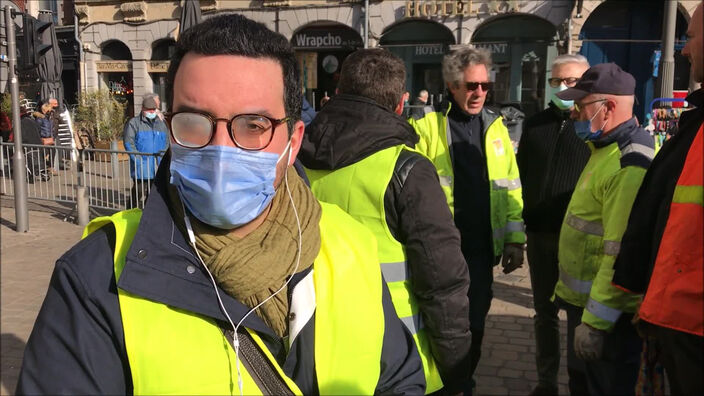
point(590, 237)
point(174, 351)
point(505, 195)
point(359, 190)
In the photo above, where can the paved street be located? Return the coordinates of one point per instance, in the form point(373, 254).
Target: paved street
point(507, 365)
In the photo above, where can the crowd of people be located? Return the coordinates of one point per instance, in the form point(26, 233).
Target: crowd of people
point(355, 254)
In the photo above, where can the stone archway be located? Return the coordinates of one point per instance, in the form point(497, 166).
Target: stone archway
point(611, 33)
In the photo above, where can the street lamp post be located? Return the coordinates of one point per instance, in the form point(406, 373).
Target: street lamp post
point(667, 59)
point(19, 173)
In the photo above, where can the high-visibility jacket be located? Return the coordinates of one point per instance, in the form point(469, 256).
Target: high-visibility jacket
point(675, 296)
point(359, 190)
point(174, 351)
point(595, 221)
point(505, 195)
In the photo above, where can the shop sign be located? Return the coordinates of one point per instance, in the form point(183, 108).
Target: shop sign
point(495, 48)
point(429, 50)
point(119, 66)
point(327, 39)
point(442, 8)
point(161, 66)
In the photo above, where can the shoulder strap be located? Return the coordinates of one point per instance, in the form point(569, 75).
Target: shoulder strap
point(261, 368)
point(404, 164)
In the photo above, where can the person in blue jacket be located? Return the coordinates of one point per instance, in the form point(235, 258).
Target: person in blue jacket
point(143, 135)
point(307, 113)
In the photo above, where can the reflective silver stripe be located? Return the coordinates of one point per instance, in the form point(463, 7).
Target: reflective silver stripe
point(602, 311)
point(574, 284)
point(638, 148)
point(506, 183)
point(395, 272)
point(445, 181)
point(588, 227)
point(413, 323)
point(612, 248)
point(511, 226)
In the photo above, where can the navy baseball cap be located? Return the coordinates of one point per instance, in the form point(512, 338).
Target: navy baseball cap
point(604, 78)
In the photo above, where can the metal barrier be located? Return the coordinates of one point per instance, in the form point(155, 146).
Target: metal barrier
point(57, 173)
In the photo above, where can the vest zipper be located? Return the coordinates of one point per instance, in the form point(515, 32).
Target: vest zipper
point(260, 368)
point(550, 174)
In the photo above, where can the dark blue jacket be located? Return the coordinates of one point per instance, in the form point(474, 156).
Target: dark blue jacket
point(143, 135)
point(307, 112)
point(77, 345)
point(45, 125)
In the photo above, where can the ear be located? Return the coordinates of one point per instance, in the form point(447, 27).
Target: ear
point(399, 107)
point(296, 140)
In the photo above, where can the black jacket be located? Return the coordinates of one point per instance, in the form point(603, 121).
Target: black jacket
point(651, 208)
point(349, 129)
point(550, 159)
point(30, 130)
point(77, 344)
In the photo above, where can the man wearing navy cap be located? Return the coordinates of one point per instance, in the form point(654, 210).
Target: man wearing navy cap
point(600, 333)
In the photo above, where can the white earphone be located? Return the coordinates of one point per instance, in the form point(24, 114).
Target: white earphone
point(192, 240)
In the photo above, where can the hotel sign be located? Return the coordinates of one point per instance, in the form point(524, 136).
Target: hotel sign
point(442, 8)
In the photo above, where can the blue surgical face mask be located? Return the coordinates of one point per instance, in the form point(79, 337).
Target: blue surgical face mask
point(225, 187)
point(151, 115)
point(561, 104)
point(583, 129)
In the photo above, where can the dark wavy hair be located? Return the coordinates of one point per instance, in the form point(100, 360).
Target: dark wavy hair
point(374, 73)
point(233, 34)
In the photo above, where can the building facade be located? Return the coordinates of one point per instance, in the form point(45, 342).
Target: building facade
point(127, 45)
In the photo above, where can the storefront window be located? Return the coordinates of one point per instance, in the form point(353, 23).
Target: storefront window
point(162, 51)
point(320, 49)
point(421, 45)
point(117, 75)
point(521, 47)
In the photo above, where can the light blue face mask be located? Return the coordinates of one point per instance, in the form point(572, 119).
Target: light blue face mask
point(150, 115)
point(583, 129)
point(561, 104)
point(225, 187)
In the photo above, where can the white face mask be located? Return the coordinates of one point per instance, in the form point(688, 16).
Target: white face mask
point(560, 103)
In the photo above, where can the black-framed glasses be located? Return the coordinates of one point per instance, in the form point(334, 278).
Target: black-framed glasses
point(568, 81)
point(472, 86)
point(248, 131)
point(579, 107)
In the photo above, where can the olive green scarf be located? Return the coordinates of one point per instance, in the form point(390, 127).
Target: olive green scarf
point(252, 268)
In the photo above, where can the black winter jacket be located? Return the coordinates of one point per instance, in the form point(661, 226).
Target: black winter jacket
point(550, 159)
point(77, 345)
point(651, 208)
point(351, 128)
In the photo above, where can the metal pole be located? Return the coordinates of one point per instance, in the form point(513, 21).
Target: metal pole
point(19, 174)
point(366, 23)
point(667, 59)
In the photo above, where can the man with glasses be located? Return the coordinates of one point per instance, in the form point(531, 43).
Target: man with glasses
point(357, 155)
point(550, 158)
point(471, 149)
point(234, 279)
point(600, 333)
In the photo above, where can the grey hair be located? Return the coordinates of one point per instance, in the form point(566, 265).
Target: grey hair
point(423, 92)
point(454, 63)
point(570, 58)
point(150, 95)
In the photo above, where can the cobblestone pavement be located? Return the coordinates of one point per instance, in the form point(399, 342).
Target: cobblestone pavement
point(27, 260)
